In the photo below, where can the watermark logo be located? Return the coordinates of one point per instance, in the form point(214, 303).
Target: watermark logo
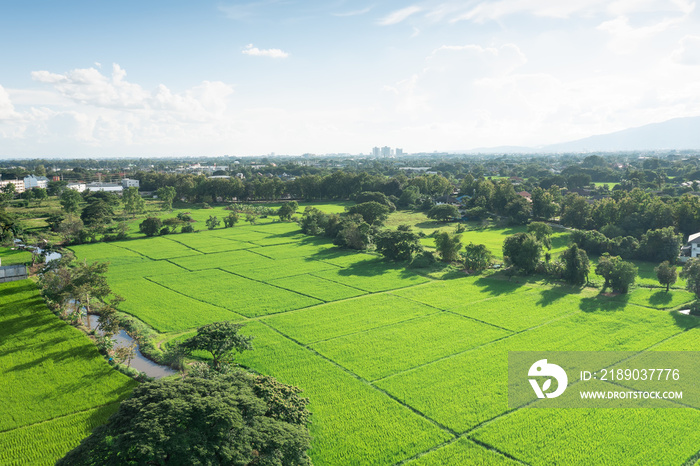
point(542, 368)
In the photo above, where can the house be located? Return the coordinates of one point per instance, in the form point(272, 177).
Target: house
point(127, 183)
point(109, 187)
point(19, 185)
point(80, 187)
point(526, 195)
point(691, 248)
point(31, 182)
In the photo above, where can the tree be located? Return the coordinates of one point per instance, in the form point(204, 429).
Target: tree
point(287, 210)
point(443, 212)
point(667, 274)
point(576, 212)
point(151, 226)
point(448, 246)
point(543, 205)
point(97, 213)
point(372, 212)
point(40, 194)
point(542, 232)
point(576, 265)
point(477, 257)
point(518, 210)
point(212, 222)
point(231, 419)
point(381, 198)
point(691, 273)
point(219, 339)
point(251, 217)
point(231, 219)
point(167, 195)
point(618, 274)
point(409, 197)
point(523, 251)
point(70, 200)
point(352, 232)
point(133, 202)
point(660, 245)
point(398, 245)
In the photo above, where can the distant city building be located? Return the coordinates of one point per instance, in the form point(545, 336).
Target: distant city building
point(31, 182)
point(19, 185)
point(375, 152)
point(399, 152)
point(386, 151)
point(109, 187)
point(80, 187)
point(128, 183)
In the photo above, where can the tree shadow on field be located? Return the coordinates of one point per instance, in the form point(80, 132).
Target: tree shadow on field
point(604, 303)
point(660, 298)
point(548, 296)
point(496, 286)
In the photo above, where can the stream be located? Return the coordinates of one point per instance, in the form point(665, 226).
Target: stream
point(139, 361)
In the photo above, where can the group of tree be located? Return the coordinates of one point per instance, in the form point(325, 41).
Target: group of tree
point(217, 414)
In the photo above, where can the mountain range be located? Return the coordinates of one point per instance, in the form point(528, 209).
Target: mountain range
point(675, 134)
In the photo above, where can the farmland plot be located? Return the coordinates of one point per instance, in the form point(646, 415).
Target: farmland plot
point(373, 276)
point(346, 317)
point(353, 423)
point(157, 248)
point(383, 351)
point(208, 243)
point(49, 371)
point(317, 287)
point(267, 270)
point(235, 293)
point(223, 259)
point(463, 451)
point(166, 310)
point(596, 436)
point(449, 400)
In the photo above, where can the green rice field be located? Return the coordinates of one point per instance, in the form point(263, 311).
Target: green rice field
point(54, 385)
point(401, 368)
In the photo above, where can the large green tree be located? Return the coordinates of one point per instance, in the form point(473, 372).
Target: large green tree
point(691, 274)
point(576, 265)
point(477, 257)
point(372, 212)
point(523, 251)
point(220, 340)
point(133, 202)
point(667, 274)
point(618, 274)
point(167, 195)
point(398, 245)
point(287, 210)
point(448, 245)
point(70, 201)
point(234, 419)
point(443, 212)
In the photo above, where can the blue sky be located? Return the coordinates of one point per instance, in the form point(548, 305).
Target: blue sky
point(171, 78)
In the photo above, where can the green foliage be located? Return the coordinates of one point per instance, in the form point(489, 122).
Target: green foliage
point(618, 274)
point(443, 212)
point(448, 246)
point(220, 339)
point(151, 226)
point(398, 245)
point(576, 265)
point(409, 197)
point(231, 219)
point(691, 273)
point(477, 257)
point(667, 274)
point(381, 198)
point(542, 232)
point(523, 251)
point(70, 201)
point(660, 245)
point(201, 421)
point(287, 210)
point(167, 195)
point(133, 202)
point(372, 212)
point(212, 222)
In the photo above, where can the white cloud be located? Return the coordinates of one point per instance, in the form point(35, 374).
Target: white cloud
point(626, 39)
point(688, 51)
point(256, 52)
point(400, 15)
point(7, 110)
point(354, 12)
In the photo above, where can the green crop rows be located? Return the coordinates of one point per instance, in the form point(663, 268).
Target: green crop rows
point(49, 371)
point(400, 367)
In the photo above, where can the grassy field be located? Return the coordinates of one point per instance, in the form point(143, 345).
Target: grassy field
point(55, 386)
point(400, 367)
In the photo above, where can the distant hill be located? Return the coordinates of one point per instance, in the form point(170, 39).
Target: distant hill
point(678, 134)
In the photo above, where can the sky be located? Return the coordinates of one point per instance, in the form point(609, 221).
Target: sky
point(183, 78)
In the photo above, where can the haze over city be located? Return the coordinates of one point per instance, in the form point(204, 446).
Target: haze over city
point(181, 78)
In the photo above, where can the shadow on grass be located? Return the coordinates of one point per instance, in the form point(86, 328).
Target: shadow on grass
point(497, 286)
point(660, 298)
point(547, 297)
point(604, 303)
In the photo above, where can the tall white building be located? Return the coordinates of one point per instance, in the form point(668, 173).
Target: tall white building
point(31, 182)
point(386, 151)
point(375, 152)
point(399, 152)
